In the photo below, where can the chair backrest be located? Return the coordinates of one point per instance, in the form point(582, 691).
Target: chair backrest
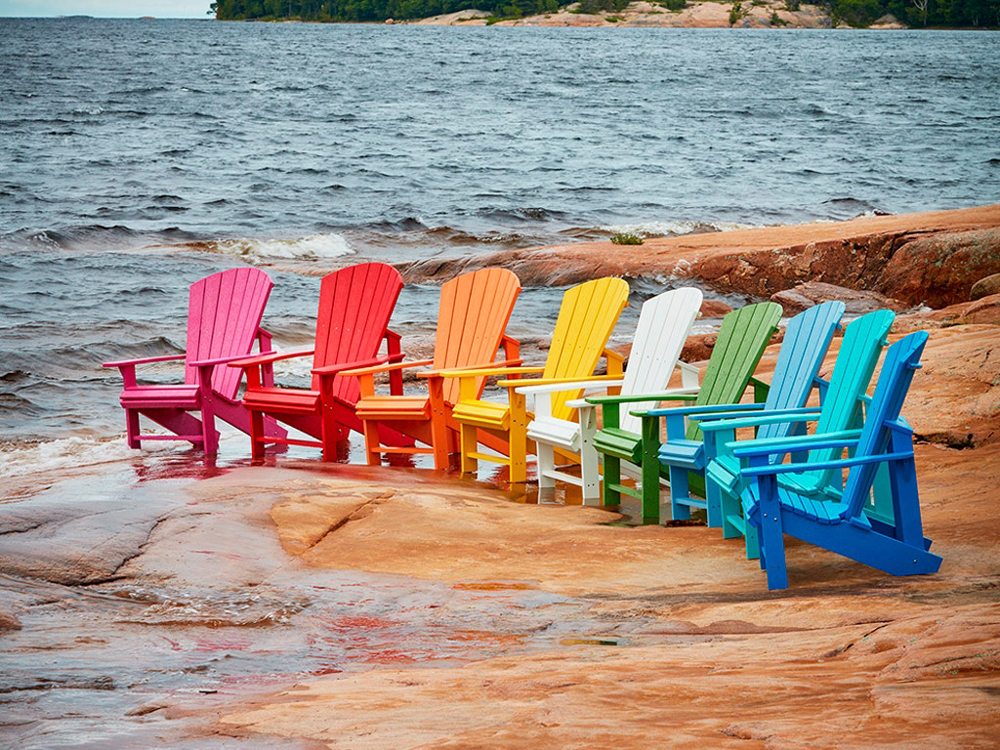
point(901, 361)
point(355, 305)
point(864, 339)
point(472, 317)
point(742, 338)
point(664, 323)
point(807, 337)
point(587, 316)
point(224, 314)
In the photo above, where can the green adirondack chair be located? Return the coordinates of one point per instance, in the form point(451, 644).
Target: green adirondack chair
point(741, 341)
point(841, 408)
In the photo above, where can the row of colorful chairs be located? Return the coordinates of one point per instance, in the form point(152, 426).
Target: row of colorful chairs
point(747, 487)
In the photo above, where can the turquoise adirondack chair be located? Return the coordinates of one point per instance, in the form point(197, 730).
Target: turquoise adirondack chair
point(807, 338)
point(741, 341)
point(841, 407)
point(895, 545)
point(224, 315)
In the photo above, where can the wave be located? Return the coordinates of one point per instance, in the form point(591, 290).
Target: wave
point(23, 458)
point(96, 237)
point(675, 228)
point(313, 247)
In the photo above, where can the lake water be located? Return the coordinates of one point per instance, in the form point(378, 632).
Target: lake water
point(140, 156)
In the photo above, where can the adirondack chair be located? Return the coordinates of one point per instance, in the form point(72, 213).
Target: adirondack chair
point(897, 545)
point(355, 304)
point(739, 346)
point(663, 326)
point(842, 400)
point(474, 310)
point(224, 314)
point(807, 337)
point(587, 316)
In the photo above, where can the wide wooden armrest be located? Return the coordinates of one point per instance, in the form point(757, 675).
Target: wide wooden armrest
point(216, 361)
point(680, 394)
point(340, 368)
point(263, 359)
point(752, 415)
point(483, 372)
point(793, 444)
point(778, 416)
point(386, 368)
point(839, 463)
point(143, 361)
point(554, 385)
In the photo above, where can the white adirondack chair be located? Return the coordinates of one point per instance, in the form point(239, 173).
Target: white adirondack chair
point(663, 327)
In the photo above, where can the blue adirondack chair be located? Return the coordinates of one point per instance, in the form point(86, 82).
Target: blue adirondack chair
point(841, 407)
point(895, 545)
point(807, 337)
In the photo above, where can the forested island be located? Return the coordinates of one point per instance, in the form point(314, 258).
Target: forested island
point(836, 13)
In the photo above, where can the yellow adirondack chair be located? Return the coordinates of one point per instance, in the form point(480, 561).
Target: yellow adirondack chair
point(587, 316)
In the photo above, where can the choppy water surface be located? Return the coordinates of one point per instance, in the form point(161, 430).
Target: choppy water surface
point(140, 156)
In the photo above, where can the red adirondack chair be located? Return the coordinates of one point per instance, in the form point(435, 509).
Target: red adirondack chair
point(224, 314)
point(355, 304)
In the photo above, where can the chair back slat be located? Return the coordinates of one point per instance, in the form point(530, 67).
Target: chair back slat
point(224, 315)
point(473, 315)
point(355, 305)
point(664, 323)
point(587, 316)
point(742, 338)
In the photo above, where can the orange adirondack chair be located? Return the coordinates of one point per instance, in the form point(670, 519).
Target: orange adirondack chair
point(224, 314)
point(472, 318)
point(355, 305)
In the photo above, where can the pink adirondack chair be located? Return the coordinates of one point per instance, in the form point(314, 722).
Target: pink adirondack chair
point(224, 314)
point(355, 305)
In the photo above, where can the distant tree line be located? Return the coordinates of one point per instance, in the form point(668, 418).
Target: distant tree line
point(861, 13)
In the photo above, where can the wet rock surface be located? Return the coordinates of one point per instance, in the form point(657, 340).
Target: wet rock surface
point(322, 605)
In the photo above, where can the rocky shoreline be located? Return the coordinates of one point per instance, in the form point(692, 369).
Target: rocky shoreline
point(758, 15)
point(163, 603)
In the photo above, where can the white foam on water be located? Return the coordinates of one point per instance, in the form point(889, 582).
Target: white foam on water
point(313, 247)
point(63, 453)
point(675, 228)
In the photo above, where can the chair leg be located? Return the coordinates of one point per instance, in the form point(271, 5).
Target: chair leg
point(650, 489)
point(132, 428)
point(210, 435)
point(679, 491)
point(518, 439)
point(467, 446)
point(612, 478)
point(772, 539)
point(546, 463)
point(372, 445)
point(589, 467)
point(257, 434)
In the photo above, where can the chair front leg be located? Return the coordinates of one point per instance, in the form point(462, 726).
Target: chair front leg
point(442, 440)
point(210, 436)
point(589, 469)
point(518, 438)
point(772, 541)
point(650, 470)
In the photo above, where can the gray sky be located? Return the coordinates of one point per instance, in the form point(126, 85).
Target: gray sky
point(107, 8)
